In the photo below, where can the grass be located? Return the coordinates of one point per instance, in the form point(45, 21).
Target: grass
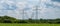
point(15, 24)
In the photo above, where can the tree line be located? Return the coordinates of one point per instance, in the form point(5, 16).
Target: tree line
point(8, 19)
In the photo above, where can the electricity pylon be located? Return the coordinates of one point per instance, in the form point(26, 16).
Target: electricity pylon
point(36, 11)
point(37, 8)
point(24, 14)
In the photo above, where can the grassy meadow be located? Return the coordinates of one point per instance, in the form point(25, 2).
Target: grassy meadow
point(16, 24)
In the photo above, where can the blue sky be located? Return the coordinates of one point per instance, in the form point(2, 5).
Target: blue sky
point(50, 9)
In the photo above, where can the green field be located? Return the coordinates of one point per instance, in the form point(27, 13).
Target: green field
point(15, 24)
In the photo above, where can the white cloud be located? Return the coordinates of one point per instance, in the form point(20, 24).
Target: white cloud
point(43, 12)
point(21, 5)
